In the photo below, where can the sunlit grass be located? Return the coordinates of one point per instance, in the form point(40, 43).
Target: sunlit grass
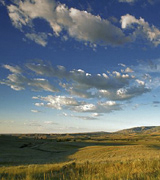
point(115, 153)
point(108, 160)
point(127, 170)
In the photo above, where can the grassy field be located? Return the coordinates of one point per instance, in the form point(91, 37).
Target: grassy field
point(80, 156)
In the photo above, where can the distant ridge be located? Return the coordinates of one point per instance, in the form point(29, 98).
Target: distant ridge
point(134, 130)
point(142, 129)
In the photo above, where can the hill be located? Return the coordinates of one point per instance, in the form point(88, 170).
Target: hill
point(140, 130)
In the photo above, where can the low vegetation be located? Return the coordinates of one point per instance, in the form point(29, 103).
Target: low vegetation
point(99, 156)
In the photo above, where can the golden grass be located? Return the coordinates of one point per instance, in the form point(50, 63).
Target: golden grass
point(127, 170)
point(115, 153)
point(89, 161)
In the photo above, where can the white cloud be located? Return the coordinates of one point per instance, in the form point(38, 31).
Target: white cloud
point(81, 25)
point(100, 107)
point(78, 84)
point(134, 91)
point(81, 79)
point(35, 111)
point(39, 104)
point(80, 91)
point(57, 102)
point(20, 82)
point(140, 82)
point(96, 114)
point(40, 38)
point(85, 117)
point(13, 69)
point(143, 29)
point(50, 123)
point(123, 65)
point(128, 20)
point(91, 28)
point(128, 70)
point(85, 108)
point(125, 93)
point(62, 102)
point(65, 114)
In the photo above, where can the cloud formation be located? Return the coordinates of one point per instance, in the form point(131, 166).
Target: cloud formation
point(142, 28)
point(35, 111)
point(13, 69)
point(77, 90)
point(18, 82)
point(80, 25)
point(40, 38)
point(57, 102)
point(152, 2)
point(81, 79)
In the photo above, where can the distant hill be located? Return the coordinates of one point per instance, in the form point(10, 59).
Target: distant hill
point(140, 130)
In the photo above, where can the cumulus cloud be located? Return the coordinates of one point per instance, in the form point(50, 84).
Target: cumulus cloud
point(142, 28)
point(81, 79)
point(81, 25)
point(62, 102)
point(100, 107)
point(128, 70)
point(111, 85)
point(125, 93)
point(77, 90)
point(57, 102)
point(39, 104)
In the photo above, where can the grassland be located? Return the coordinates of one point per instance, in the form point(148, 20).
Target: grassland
point(100, 156)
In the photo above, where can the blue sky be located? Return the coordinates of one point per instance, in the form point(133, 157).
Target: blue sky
point(79, 66)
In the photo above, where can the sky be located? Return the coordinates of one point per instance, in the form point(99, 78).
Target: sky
point(79, 66)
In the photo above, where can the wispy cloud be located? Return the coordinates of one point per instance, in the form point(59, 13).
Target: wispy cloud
point(17, 81)
point(35, 111)
point(152, 2)
point(13, 69)
point(40, 38)
point(50, 123)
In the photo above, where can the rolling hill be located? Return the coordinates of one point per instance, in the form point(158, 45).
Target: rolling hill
point(140, 130)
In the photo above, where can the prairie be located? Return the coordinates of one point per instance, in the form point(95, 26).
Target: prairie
point(80, 156)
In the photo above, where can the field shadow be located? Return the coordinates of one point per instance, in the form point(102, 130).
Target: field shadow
point(15, 150)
